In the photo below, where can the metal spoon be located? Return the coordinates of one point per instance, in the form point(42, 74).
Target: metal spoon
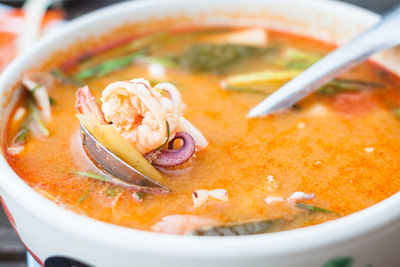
point(117, 170)
point(383, 35)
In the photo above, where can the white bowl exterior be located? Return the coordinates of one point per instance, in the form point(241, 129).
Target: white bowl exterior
point(370, 236)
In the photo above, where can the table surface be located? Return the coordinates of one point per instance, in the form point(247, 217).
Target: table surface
point(12, 253)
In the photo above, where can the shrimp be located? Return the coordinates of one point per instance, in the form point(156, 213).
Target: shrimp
point(181, 224)
point(142, 114)
point(86, 103)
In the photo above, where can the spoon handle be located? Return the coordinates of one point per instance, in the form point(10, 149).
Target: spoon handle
point(383, 35)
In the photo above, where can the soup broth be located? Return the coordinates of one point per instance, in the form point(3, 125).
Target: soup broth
point(332, 154)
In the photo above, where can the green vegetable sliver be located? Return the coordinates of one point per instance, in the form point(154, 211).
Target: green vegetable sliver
point(246, 90)
point(313, 208)
point(37, 119)
point(267, 76)
point(345, 261)
point(108, 66)
point(165, 61)
point(20, 137)
point(90, 175)
point(123, 50)
point(250, 83)
point(347, 85)
point(297, 59)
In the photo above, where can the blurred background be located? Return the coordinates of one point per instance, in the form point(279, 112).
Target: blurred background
point(12, 252)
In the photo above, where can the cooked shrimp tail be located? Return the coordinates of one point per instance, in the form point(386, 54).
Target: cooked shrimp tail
point(86, 104)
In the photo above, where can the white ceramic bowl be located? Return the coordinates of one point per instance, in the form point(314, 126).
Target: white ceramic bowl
point(371, 236)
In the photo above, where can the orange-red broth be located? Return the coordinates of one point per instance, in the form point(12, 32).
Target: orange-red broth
point(319, 148)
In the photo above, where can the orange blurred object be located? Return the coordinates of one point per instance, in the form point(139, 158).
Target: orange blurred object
point(11, 24)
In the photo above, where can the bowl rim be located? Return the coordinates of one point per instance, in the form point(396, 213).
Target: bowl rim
point(278, 244)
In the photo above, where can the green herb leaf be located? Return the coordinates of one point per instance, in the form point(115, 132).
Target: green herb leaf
point(108, 66)
point(313, 208)
point(347, 85)
point(86, 73)
point(217, 58)
point(339, 262)
point(90, 175)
